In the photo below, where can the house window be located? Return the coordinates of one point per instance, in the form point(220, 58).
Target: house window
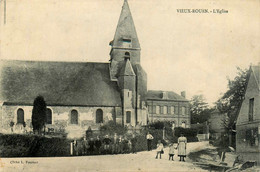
point(252, 137)
point(183, 110)
point(157, 109)
point(183, 124)
point(172, 110)
point(128, 117)
point(20, 116)
point(176, 110)
point(251, 109)
point(74, 117)
point(150, 108)
point(187, 110)
point(161, 109)
point(164, 109)
point(48, 116)
point(99, 116)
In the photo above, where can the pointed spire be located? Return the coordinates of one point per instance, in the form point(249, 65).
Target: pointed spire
point(126, 36)
point(127, 69)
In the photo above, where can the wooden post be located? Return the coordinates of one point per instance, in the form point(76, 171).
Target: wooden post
point(163, 133)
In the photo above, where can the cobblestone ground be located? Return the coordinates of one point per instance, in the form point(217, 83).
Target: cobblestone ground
point(142, 161)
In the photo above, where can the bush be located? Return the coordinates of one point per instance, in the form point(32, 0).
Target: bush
point(111, 128)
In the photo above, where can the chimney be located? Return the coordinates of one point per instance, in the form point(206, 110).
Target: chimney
point(164, 95)
point(183, 94)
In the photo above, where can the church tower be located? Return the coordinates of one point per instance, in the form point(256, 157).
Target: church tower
point(125, 42)
point(125, 68)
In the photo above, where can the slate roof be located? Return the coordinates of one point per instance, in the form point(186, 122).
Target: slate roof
point(256, 71)
point(127, 69)
point(125, 29)
point(157, 95)
point(60, 83)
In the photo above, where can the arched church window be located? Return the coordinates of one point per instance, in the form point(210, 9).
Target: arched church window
point(74, 117)
point(128, 117)
point(48, 116)
point(99, 116)
point(20, 116)
point(127, 53)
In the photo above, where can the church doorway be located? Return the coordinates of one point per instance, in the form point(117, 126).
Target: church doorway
point(74, 117)
point(20, 116)
point(99, 116)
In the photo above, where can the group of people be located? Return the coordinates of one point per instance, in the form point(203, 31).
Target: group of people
point(181, 146)
point(123, 144)
point(108, 145)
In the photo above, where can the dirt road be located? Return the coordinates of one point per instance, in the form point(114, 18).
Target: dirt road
point(142, 161)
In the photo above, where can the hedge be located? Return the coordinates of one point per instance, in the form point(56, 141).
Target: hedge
point(16, 145)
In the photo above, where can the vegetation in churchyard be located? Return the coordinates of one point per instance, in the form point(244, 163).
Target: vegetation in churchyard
point(38, 114)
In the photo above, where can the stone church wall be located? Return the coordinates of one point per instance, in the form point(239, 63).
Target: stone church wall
point(61, 118)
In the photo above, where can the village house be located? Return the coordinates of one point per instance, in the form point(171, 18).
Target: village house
point(248, 121)
point(168, 106)
point(216, 124)
point(83, 94)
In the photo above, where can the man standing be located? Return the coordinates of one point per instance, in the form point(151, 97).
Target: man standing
point(115, 144)
point(85, 146)
point(133, 141)
point(98, 145)
point(107, 142)
point(149, 138)
point(91, 146)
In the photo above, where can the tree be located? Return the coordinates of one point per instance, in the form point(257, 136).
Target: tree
point(199, 109)
point(232, 99)
point(38, 114)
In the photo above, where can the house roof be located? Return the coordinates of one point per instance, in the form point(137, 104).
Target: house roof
point(256, 72)
point(158, 95)
point(60, 83)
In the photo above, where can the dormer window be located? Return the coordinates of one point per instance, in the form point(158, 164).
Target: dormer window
point(127, 42)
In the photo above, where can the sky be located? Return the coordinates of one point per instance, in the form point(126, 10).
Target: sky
point(192, 52)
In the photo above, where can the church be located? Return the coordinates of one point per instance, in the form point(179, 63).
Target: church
point(83, 94)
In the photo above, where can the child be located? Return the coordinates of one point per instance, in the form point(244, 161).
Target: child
point(171, 151)
point(159, 149)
